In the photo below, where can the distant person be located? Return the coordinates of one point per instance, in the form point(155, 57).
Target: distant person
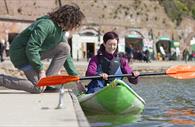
point(107, 62)
point(162, 51)
point(44, 38)
point(159, 56)
point(173, 54)
point(151, 52)
point(177, 51)
point(146, 56)
point(129, 52)
point(140, 55)
point(7, 47)
point(2, 49)
point(186, 55)
point(193, 55)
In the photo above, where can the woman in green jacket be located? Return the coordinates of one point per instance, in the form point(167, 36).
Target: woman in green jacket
point(45, 38)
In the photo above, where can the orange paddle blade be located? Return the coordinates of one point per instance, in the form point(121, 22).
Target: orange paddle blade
point(181, 71)
point(57, 80)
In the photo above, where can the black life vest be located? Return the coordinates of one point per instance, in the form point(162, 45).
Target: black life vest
point(108, 66)
point(111, 67)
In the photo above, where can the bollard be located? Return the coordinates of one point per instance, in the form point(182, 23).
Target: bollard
point(61, 98)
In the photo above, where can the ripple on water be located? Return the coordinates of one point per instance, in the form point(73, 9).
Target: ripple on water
point(169, 103)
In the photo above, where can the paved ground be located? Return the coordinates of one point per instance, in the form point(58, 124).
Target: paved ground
point(20, 109)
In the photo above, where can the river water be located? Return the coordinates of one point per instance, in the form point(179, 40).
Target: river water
point(169, 103)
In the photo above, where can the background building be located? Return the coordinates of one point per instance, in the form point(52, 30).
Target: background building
point(123, 16)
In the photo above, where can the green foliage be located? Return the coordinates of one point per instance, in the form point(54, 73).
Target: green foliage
point(182, 7)
point(193, 11)
point(176, 9)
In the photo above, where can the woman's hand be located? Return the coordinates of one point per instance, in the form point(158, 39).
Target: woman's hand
point(80, 87)
point(104, 76)
point(135, 73)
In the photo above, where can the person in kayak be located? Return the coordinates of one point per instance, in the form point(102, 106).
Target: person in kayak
point(107, 62)
point(45, 38)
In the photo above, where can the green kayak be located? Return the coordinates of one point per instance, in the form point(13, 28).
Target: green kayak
point(116, 98)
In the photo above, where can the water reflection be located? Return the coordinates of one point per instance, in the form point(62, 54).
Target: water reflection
point(181, 116)
point(169, 103)
point(112, 120)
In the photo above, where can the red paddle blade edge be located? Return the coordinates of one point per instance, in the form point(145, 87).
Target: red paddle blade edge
point(57, 80)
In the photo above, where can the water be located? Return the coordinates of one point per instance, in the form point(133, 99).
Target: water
point(169, 103)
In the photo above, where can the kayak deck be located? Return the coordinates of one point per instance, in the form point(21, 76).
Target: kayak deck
point(116, 98)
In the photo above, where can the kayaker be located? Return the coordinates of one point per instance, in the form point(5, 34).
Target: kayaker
point(45, 38)
point(107, 62)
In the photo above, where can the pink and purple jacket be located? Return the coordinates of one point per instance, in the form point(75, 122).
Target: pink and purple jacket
point(125, 68)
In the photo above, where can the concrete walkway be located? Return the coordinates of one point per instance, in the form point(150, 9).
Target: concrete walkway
point(21, 109)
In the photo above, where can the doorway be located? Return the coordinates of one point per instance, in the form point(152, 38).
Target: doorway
point(11, 37)
point(90, 50)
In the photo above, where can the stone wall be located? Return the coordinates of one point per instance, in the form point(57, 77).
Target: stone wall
point(123, 16)
point(109, 14)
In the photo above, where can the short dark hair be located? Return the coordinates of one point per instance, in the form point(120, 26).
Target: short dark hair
point(110, 35)
point(107, 36)
point(67, 16)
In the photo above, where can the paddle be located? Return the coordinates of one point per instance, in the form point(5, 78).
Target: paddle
point(178, 72)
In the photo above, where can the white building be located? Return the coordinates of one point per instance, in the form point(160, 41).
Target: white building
point(87, 42)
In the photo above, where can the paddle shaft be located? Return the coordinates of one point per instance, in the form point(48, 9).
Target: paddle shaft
point(122, 75)
point(178, 72)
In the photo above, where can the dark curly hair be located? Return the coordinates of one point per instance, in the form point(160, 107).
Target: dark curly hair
point(67, 16)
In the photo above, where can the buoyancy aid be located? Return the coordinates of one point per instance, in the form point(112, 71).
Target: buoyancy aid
point(111, 67)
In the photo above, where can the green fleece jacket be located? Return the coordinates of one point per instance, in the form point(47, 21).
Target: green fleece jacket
point(41, 35)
